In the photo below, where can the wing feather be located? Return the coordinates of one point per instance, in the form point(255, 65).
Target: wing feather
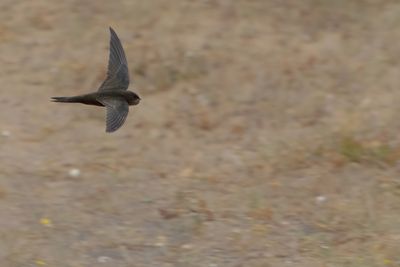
point(117, 73)
point(117, 111)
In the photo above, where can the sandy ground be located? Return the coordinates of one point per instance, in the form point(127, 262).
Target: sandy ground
point(268, 134)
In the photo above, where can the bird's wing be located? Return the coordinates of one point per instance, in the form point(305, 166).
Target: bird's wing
point(117, 73)
point(117, 111)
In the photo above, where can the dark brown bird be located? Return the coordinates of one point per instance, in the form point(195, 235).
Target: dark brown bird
point(113, 93)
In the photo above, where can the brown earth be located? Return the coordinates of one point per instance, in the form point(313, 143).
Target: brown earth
point(267, 135)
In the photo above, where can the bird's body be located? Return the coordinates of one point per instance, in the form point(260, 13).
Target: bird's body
point(93, 98)
point(113, 93)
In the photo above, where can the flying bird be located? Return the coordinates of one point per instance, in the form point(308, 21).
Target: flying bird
point(113, 93)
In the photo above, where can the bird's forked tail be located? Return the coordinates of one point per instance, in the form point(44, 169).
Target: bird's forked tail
point(63, 99)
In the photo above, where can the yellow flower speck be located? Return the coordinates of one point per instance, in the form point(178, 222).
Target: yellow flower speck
point(387, 262)
point(46, 222)
point(40, 263)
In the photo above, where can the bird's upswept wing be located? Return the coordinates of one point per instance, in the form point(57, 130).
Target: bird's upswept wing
point(117, 73)
point(117, 111)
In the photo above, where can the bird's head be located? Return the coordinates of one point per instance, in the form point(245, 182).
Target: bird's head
point(134, 99)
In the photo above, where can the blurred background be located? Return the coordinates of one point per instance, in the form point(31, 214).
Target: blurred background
point(267, 134)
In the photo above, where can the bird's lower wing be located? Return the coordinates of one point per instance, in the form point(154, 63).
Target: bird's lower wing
point(117, 111)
